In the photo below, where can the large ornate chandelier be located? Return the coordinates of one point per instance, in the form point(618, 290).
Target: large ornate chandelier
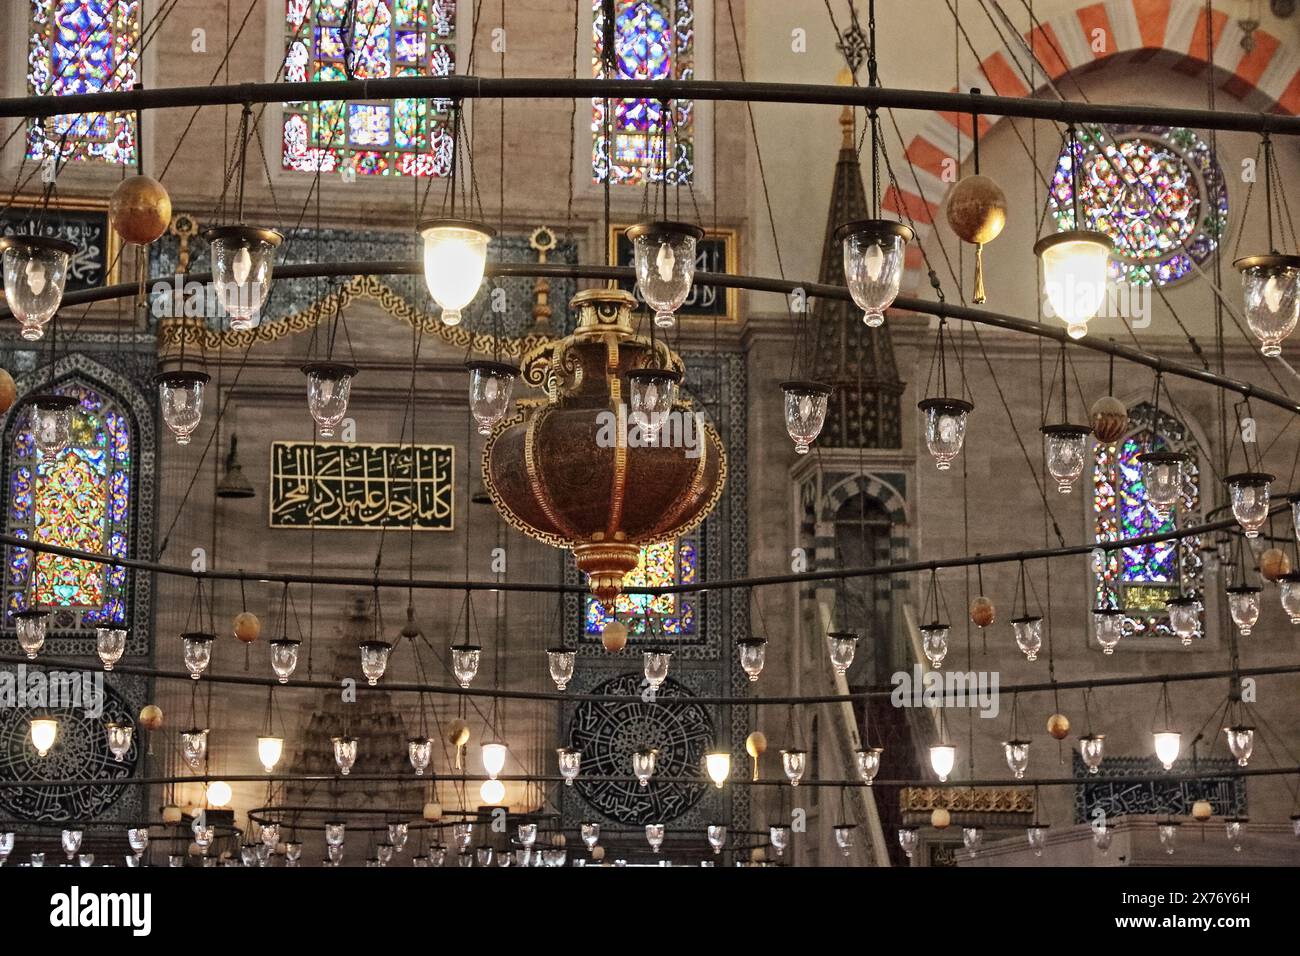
point(554, 473)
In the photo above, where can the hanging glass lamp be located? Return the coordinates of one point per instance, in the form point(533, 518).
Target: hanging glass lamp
point(805, 412)
point(374, 659)
point(455, 258)
point(1029, 635)
point(345, 753)
point(119, 737)
point(934, 642)
point(490, 387)
point(842, 646)
point(794, 762)
point(1243, 605)
point(180, 393)
point(35, 273)
point(1249, 493)
point(651, 395)
point(1075, 271)
point(1017, 754)
point(664, 261)
point(753, 655)
point(560, 662)
point(868, 763)
point(1241, 742)
point(942, 758)
point(1162, 474)
point(329, 386)
point(1271, 285)
point(194, 747)
point(874, 260)
point(419, 750)
point(52, 423)
point(1108, 625)
point(284, 658)
point(945, 428)
point(1066, 451)
point(197, 652)
point(242, 259)
point(464, 662)
point(570, 761)
point(30, 628)
point(110, 645)
point(1091, 749)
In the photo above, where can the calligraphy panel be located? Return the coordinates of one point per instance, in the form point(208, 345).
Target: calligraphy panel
point(358, 486)
point(83, 222)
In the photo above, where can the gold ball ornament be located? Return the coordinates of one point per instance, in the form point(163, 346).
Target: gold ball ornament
point(757, 855)
point(614, 636)
point(1202, 810)
point(247, 626)
point(982, 612)
point(458, 733)
point(1273, 563)
point(432, 811)
point(598, 853)
point(171, 814)
point(977, 213)
point(151, 717)
point(140, 209)
point(940, 818)
point(1058, 725)
point(8, 391)
point(756, 744)
point(1108, 418)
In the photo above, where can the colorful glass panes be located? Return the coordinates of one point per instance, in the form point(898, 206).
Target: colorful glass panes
point(81, 499)
point(1141, 579)
point(83, 46)
point(402, 137)
point(653, 40)
point(661, 565)
point(1156, 191)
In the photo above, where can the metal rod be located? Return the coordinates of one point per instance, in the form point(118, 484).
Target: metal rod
point(564, 88)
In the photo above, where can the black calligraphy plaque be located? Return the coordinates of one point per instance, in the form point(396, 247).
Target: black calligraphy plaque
point(716, 252)
point(84, 223)
point(360, 486)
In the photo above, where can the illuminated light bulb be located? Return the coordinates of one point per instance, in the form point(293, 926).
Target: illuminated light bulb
point(1241, 742)
point(570, 762)
point(873, 251)
point(842, 646)
point(1243, 605)
point(794, 762)
point(1075, 272)
point(110, 645)
point(119, 737)
point(664, 263)
point(1271, 286)
point(805, 412)
point(942, 758)
point(194, 747)
point(490, 388)
point(269, 749)
point(934, 642)
point(643, 765)
point(1017, 754)
point(907, 840)
point(345, 753)
point(419, 750)
point(945, 428)
point(374, 659)
point(1108, 624)
point(1167, 744)
point(868, 763)
point(492, 793)
point(464, 662)
point(560, 661)
point(1029, 635)
point(494, 759)
point(44, 731)
point(844, 837)
point(1091, 749)
point(455, 257)
point(284, 658)
point(329, 387)
point(753, 655)
point(35, 272)
point(219, 794)
point(718, 766)
point(35, 276)
point(1249, 493)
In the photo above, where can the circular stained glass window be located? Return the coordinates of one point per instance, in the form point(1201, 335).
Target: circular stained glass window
point(1156, 191)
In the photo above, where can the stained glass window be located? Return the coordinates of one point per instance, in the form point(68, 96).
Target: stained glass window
point(377, 137)
point(654, 40)
point(1141, 579)
point(80, 499)
point(1156, 191)
point(661, 565)
point(83, 46)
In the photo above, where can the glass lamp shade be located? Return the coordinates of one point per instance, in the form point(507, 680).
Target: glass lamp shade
point(30, 627)
point(1295, 524)
point(455, 255)
point(842, 646)
point(972, 838)
point(180, 393)
point(494, 759)
point(1162, 473)
point(1241, 742)
point(1271, 285)
point(1235, 829)
point(794, 762)
point(868, 762)
point(873, 264)
point(1108, 625)
point(35, 272)
point(345, 753)
point(242, 258)
point(419, 750)
point(87, 859)
point(464, 662)
point(1091, 750)
point(717, 836)
point(374, 659)
point(270, 835)
point(483, 856)
point(119, 737)
point(570, 762)
point(197, 652)
point(753, 655)
point(1101, 837)
point(651, 394)
point(805, 412)
point(1289, 591)
point(1065, 449)
point(560, 661)
point(490, 386)
point(397, 836)
point(70, 840)
point(137, 838)
point(1168, 830)
point(1167, 744)
point(945, 428)
point(437, 855)
point(292, 853)
point(269, 750)
point(643, 765)
point(334, 854)
point(1184, 616)
point(6, 845)
point(907, 840)
point(934, 642)
point(329, 385)
point(110, 645)
point(38, 860)
point(1037, 836)
point(1243, 605)
point(194, 747)
point(1075, 271)
point(942, 758)
point(335, 832)
point(52, 423)
point(844, 837)
point(778, 834)
point(654, 835)
point(527, 833)
point(1017, 754)
point(284, 658)
point(1249, 493)
point(664, 260)
point(1295, 828)
point(718, 766)
point(656, 667)
point(1029, 635)
point(590, 833)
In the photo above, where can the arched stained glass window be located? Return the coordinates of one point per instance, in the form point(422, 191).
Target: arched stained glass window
point(653, 40)
point(80, 499)
point(1141, 579)
point(1158, 192)
point(377, 137)
point(83, 46)
point(661, 565)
